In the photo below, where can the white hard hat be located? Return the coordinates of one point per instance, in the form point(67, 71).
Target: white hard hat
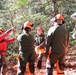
point(74, 35)
point(52, 20)
point(73, 16)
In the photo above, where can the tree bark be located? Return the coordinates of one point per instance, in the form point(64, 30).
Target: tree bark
point(55, 7)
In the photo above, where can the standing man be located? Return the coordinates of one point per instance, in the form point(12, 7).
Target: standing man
point(3, 47)
point(57, 39)
point(26, 49)
point(73, 16)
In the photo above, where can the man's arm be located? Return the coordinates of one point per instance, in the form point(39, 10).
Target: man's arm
point(49, 41)
point(74, 35)
point(5, 34)
point(10, 40)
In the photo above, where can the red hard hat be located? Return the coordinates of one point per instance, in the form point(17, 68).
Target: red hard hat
point(28, 24)
point(59, 17)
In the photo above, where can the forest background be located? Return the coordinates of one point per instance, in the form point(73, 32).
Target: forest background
point(39, 12)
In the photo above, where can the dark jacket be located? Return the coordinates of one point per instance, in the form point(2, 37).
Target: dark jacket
point(26, 43)
point(40, 40)
point(57, 39)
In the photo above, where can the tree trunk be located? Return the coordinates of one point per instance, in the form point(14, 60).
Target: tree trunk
point(55, 7)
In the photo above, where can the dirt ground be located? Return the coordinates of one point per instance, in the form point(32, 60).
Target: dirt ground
point(68, 70)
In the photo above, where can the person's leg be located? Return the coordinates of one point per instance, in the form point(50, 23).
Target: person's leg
point(4, 70)
point(60, 65)
point(0, 64)
point(31, 63)
point(54, 57)
point(39, 64)
point(21, 66)
point(0, 69)
point(31, 68)
point(50, 63)
point(21, 70)
point(47, 65)
point(50, 69)
point(4, 65)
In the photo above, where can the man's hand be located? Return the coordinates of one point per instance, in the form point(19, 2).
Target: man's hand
point(12, 28)
point(15, 37)
point(37, 46)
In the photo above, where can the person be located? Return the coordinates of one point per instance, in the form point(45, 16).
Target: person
point(74, 35)
point(48, 59)
point(57, 39)
point(39, 45)
point(3, 47)
point(26, 49)
point(73, 16)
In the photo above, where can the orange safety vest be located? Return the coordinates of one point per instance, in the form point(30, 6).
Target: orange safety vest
point(39, 50)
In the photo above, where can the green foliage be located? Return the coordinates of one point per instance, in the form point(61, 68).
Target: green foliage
point(38, 19)
point(72, 41)
point(39, 12)
point(23, 2)
point(1, 6)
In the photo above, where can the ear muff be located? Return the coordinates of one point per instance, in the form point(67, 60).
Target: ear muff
point(63, 22)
